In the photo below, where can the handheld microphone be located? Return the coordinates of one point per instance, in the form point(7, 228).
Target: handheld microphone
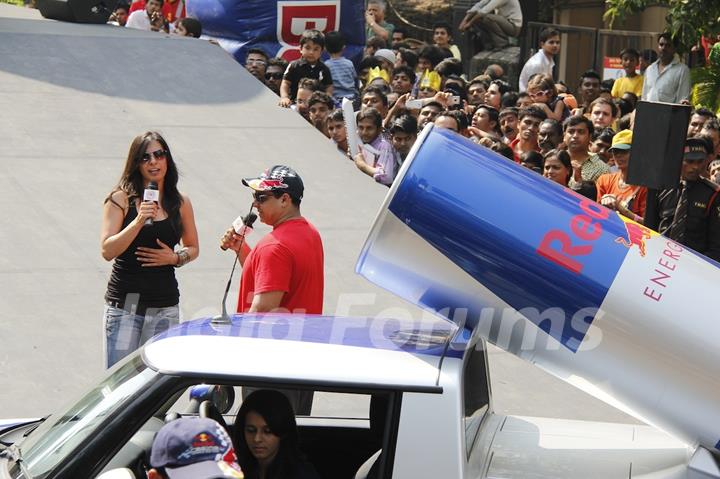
point(243, 226)
point(151, 193)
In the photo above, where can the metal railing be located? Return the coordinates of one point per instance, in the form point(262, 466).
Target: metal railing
point(612, 42)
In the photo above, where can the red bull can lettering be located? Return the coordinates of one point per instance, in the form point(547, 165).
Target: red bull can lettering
point(589, 296)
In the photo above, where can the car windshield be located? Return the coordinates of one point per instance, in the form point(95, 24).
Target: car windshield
point(61, 434)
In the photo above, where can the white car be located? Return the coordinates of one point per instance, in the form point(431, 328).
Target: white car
point(420, 391)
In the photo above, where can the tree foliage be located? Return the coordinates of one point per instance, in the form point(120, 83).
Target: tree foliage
point(706, 81)
point(686, 19)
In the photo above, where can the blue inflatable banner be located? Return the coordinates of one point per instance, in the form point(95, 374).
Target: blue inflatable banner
point(276, 26)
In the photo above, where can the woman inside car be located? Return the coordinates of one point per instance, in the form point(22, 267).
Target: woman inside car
point(140, 236)
point(266, 438)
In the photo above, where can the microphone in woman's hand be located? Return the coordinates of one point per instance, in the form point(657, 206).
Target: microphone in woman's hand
point(243, 225)
point(151, 193)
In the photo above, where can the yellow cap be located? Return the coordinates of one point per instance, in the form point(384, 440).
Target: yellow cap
point(622, 140)
point(377, 72)
point(430, 79)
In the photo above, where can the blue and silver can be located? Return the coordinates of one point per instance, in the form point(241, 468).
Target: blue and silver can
point(587, 295)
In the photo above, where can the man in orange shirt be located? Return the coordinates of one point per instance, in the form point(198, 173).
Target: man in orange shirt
point(612, 190)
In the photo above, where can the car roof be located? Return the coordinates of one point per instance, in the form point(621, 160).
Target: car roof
point(356, 352)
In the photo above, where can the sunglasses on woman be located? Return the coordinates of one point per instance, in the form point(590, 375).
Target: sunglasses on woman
point(158, 154)
point(274, 76)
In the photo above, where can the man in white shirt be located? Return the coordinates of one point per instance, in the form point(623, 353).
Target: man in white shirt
point(668, 78)
point(149, 19)
point(543, 61)
point(498, 20)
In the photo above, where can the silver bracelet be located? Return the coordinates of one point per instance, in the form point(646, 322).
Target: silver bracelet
point(183, 257)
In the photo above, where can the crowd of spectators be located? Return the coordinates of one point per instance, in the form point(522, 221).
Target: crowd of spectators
point(166, 16)
point(581, 139)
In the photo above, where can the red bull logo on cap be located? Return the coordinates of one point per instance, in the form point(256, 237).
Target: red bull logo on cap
point(270, 184)
point(266, 184)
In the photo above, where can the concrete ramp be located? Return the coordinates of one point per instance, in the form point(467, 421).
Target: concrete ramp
point(72, 97)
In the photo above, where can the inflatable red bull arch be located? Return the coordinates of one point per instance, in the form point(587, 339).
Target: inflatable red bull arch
point(276, 27)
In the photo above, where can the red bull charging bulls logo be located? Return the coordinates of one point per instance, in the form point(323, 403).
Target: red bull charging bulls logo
point(637, 234)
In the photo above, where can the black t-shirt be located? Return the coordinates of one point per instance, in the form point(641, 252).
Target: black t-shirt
point(299, 69)
point(156, 286)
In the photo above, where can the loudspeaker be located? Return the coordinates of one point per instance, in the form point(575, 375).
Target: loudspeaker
point(657, 145)
point(77, 11)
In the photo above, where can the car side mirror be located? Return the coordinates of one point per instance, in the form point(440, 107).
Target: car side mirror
point(222, 397)
point(121, 473)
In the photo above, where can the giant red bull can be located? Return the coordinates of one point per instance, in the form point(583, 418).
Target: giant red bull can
point(595, 299)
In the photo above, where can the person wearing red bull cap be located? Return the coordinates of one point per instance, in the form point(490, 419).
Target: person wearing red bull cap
point(612, 189)
point(193, 448)
point(284, 272)
point(690, 212)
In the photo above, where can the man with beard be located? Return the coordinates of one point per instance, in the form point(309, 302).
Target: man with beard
point(508, 124)
point(256, 63)
point(550, 135)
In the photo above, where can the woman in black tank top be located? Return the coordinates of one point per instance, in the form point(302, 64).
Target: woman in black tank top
point(142, 294)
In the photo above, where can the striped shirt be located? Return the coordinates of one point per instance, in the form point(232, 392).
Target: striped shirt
point(344, 78)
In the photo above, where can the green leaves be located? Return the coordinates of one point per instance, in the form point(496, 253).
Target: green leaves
point(706, 90)
point(688, 20)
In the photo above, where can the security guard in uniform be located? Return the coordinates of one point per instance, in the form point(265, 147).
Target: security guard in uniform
point(690, 213)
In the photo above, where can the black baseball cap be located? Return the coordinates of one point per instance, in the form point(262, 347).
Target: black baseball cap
point(278, 178)
point(695, 149)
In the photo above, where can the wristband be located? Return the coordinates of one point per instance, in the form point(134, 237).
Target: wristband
point(183, 257)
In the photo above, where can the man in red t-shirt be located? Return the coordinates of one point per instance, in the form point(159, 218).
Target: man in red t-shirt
point(284, 271)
